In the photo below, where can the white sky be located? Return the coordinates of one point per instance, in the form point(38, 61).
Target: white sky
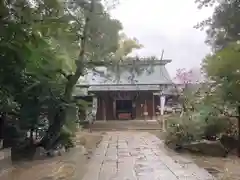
point(168, 25)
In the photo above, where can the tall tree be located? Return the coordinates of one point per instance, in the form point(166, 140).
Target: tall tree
point(223, 69)
point(98, 39)
point(45, 47)
point(222, 66)
point(224, 25)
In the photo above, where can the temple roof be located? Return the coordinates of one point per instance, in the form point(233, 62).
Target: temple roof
point(152, 76)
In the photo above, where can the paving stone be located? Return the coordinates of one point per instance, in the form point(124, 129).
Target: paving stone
point(108, 171)
point(94, 170)
point(139, 156)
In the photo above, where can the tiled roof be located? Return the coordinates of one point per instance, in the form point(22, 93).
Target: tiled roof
point(155, 74)
point(158, 75)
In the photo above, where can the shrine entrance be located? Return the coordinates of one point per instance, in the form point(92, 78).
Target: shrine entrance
point(124, 105)
point(124, 109)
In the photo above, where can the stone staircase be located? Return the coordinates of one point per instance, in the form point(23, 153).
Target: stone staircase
point(121, 125)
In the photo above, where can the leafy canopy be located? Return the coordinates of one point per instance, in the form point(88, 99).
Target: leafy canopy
point(223, 68)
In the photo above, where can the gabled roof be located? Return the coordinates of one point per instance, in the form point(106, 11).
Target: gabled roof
point(154, 74)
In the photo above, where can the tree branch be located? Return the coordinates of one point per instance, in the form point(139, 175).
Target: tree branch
point(79, 71)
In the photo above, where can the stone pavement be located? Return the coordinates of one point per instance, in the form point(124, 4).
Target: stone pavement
point(139, 156)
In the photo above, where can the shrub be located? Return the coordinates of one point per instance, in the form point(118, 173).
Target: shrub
point(194, 127)
point(183, 130)
point(66, 138)
point(216, 126)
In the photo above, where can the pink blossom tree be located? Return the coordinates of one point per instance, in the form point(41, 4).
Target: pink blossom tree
point(183, 76)
point(186, 80)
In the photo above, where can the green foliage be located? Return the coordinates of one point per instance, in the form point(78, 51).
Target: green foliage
point(29, 65)
point(223, 69)
point(196, 127)
point(215, 126)
point(7, 103)
point(125, 46)
point(223, 27)
point(66, 137)
point(71, 118)
point(45, 47)
point(222, 66)
point(183, 129)
point(214, 104)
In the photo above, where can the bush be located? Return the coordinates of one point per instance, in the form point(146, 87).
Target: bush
point(189, 128)
point(66, 138)
point(216, 126)
point(68, 131)
point(183, 130)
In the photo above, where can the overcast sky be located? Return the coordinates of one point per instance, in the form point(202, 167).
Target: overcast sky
point(168, 25)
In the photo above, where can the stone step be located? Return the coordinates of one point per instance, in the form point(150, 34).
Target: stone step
point(126, 125)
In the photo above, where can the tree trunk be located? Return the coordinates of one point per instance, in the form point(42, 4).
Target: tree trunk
point(2, 119)
point(54, 129)
point(2, 122)
point(238, 109)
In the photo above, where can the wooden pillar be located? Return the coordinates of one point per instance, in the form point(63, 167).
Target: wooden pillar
point(99, 108)
point(104, 109)
point(145, 111)
point(114, 109)
point(153, 106)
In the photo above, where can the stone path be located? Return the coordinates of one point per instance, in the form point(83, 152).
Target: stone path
point(139, 156)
